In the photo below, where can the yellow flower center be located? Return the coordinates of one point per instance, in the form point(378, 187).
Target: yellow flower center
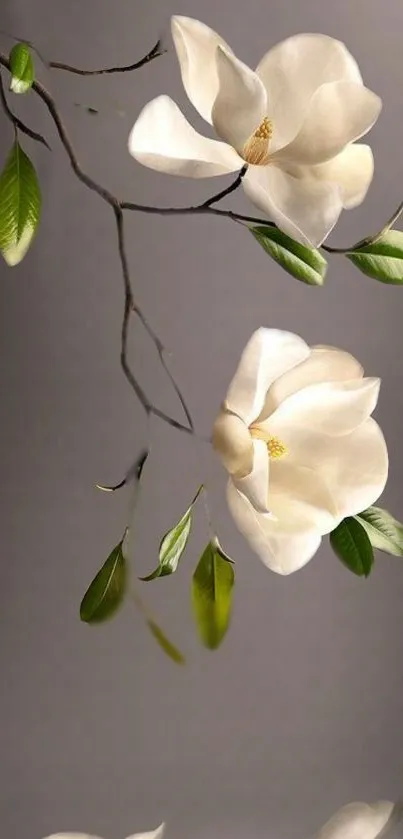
point(256, 149)
point(275, 446)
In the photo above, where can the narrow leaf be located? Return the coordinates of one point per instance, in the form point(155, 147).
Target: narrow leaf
point(212, 590)
point(173, 545)
point(306, 264)
point(383, 260)
point(107, 590)
point(21, 68)
point(385, 533)
point(20, 205)
point(166, 645)
point(351, 544)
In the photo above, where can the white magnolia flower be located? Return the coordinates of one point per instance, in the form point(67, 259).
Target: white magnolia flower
point(361, 821)
point(293, 121)
point(297, 438)
point(151, 834)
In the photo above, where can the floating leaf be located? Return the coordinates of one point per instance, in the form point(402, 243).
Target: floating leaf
point(212, 590)
point(107, 590)
point(168, 647)
point(385, 533)
point(306, 264)
point(20, 205)
point(21, 68)
point(173, 545)
point(351, 544)
point(382, 260)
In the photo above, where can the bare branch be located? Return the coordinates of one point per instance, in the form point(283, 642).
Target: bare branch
point(16, 121)
point(155, 52)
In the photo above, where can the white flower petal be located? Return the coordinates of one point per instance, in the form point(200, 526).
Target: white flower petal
point(283, 546)
point(241, 101)
point(232, 440)
point(324, 364)
point(354, 467)
point(164, 140)
point(268, 354)
point(352, 170)
point(70, 835)
point(196, 46)
point(358, 821)
point(333, 408)
point(298, 490)
point(150, 834)
point(293, 70)
point(255, 486)
point(338, 114)
point(304, 208)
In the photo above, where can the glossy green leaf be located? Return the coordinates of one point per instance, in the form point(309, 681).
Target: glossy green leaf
point(21, 68)
point(351, 544)
point(107, 590)
point(306, 264)
point(173, 545)
point(383, 260)
point(20, 205)
point(385, 533)
point(166, 645)
point(212, 590)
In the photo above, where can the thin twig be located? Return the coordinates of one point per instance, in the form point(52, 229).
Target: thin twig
point(16, 121)
point(155, 52)
point(369, 240)
point(227, 191)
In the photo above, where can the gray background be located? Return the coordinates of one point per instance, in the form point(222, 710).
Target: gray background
point(300, 711)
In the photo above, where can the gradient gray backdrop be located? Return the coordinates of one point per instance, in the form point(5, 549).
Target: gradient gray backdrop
point(301, 709)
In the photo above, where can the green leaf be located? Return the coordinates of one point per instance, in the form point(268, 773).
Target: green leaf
point(383, 260)
point(351, 544)
point(107, 590)
point(385, 533)
point(21, 68)
point(306, 264)
point(173, 545)
point(166, 645)
point(20, 205)
point(212, 590)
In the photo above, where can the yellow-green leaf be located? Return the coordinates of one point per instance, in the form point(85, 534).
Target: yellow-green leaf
point(303, 263)
point(382, 260)
point(21, 68)
point(20, 205)
point(105, 594)
point(212, 590)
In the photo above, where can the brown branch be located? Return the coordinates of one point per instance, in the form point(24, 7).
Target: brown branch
point(16, 121)
point(155, 52)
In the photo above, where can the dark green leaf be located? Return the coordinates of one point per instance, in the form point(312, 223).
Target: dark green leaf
point(165, 644)
point(21, 68)
point(351, 544)
point(383, 260)
point(385, 532)
point(20, 205)
point(173, 545)
point(306, 264)
point(107, 590)
point(212, 590)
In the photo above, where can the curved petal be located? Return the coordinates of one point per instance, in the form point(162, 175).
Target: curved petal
point(354, 467)
point(69, 835)
point(332, 408)
point(267, 355)
point(241, 101)
point(324, 364)
point(338, 114)
point(164, 140)
point(196, 47)
point(150, 834)
point(255, 486)
point(284, 547)
point(352, 170)
point(232, 440)
point(358, 821)
point(293, 70)
point(296, 489)
point(304, 208)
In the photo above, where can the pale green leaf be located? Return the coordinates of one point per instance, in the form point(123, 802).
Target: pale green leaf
point(20, 205)
point(166, 645)
point(351, 544)
point(173, 545)
point(21, 68)
point(306, 264)
point(107, 590)
point(385, 532)
point(212, 590)
point(383, 260)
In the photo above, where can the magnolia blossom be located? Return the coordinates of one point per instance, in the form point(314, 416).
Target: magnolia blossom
point(296, 435)
point(361, 821)
point(151, 834)
point(292, 121)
